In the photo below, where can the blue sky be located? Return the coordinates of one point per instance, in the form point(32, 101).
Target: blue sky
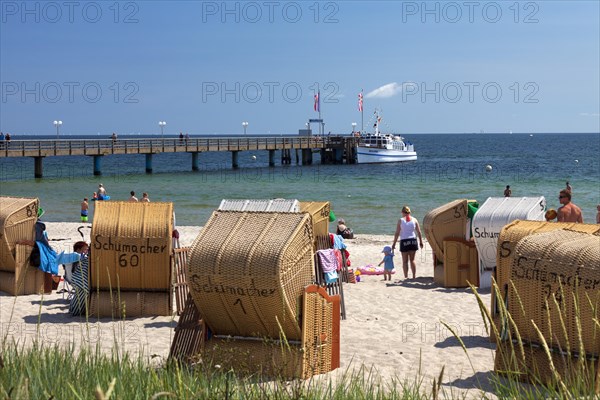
point(204, 67)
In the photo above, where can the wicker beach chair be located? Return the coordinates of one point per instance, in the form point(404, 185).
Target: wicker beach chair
point(552, 301)
point(250, 275)
point(132, 256)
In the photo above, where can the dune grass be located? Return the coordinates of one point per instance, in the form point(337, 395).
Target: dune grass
point(36, 371)
point(551, 371)
point(62, 373)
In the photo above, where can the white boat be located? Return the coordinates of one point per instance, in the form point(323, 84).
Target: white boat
point(383, 147)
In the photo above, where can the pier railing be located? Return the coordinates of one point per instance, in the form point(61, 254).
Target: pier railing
point(65, 147)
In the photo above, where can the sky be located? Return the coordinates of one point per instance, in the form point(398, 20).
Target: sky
point(204, 67)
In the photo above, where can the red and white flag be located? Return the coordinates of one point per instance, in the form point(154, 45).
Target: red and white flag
point(317, 105)
point(360, 101)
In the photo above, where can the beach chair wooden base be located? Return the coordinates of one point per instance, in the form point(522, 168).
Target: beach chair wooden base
point(317, 353)
point(461, 263)
point(535, 367)
point(130, 304)
point(25, 279)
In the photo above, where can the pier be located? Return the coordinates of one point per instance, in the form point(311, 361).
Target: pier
point(333, 149)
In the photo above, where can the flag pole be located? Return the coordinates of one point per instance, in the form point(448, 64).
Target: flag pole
point(362, 110)
point(319, 107)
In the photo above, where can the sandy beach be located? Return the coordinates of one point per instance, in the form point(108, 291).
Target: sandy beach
point(396, 328)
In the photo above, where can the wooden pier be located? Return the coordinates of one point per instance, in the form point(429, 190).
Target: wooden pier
point(333, 149)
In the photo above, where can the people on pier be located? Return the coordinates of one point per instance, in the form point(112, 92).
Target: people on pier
point(114, 137)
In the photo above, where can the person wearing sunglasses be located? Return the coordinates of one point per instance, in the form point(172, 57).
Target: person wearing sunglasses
point(568, 212)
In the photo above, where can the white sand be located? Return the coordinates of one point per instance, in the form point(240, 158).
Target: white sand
point(394, 327)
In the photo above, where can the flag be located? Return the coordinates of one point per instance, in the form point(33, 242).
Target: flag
point(360, 101)
point(317, 105)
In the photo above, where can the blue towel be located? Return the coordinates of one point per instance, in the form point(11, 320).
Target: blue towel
point(331, 277)
point(338, 242)
point(47, 258)
point(67, 258)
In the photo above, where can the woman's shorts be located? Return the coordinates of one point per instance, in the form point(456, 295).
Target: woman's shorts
point(408, 245)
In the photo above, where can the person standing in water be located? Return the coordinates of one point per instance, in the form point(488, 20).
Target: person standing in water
point(101, 192)
point(84, 210)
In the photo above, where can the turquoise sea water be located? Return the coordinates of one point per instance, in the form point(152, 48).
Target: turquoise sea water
point(369, 197)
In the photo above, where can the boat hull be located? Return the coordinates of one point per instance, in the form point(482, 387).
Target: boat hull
point(370, 155)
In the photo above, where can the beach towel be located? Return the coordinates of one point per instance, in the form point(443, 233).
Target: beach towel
point(331, 277)
point(338, 242)
point(328, 260)
point(370, 269)
point(80, 283)
point(49, 260)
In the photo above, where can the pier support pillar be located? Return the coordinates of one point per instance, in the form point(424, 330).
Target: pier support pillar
point(297, 158)
point(339, 156)
point(98, 165)
point(307, 157)
point(271, 158)
point(235, 159)
point(38, 167)
point(149, 163)
point(195, 166)
point(324, 156)
point(286, 157)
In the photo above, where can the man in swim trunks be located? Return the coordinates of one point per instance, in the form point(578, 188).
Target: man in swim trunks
point(101, 192)
point(568, 212)
point(84, 210)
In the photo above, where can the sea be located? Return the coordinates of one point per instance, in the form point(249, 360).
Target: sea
point(368, 196)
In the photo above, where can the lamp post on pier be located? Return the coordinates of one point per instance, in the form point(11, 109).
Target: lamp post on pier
point(57, 124)
point(162, 125)
point(353, 128)
point(245, 125)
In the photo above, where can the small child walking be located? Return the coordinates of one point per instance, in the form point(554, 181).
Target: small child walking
point(388, 263)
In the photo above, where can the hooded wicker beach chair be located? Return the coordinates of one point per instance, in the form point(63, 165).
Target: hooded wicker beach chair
point(131, 253)
point(254, 307)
